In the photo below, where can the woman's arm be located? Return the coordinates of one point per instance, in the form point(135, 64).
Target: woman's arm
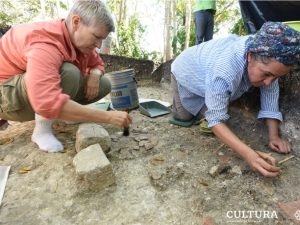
point(256, 162)
point(71, 110)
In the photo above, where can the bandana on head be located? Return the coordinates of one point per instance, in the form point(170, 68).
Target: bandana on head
point(276, 40)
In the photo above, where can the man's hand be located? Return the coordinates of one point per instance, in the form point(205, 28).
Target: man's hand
point(280, 145)
point(263, 163)
point(92, 84)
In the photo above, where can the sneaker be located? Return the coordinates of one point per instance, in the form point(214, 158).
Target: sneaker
point(204, 127)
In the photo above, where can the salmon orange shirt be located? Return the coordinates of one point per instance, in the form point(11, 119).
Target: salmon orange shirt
point(39, 49)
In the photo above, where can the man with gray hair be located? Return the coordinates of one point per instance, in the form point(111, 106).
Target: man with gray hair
point(50, 70)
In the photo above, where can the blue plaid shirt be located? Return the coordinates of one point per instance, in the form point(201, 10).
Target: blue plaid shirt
point(214, 73)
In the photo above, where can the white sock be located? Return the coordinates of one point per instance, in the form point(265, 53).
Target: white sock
point(43, 136)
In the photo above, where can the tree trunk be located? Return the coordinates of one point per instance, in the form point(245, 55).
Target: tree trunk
point(188, 15)
point(125, 13)
point(120, 11)
point(57, 8)
point(43, 9)
point(167, 31)
point(174, 26)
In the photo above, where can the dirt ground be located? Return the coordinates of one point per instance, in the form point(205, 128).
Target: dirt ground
point(162, 174)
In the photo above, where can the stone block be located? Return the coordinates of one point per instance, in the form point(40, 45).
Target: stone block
point(93, 170)
point(90, 134)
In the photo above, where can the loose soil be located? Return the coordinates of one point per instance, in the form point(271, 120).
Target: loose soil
point(162, 174)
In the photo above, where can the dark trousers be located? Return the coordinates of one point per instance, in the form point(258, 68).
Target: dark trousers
point(178, 111)
point(204, 25)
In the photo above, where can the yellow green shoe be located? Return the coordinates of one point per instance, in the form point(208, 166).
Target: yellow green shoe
point(204, 127)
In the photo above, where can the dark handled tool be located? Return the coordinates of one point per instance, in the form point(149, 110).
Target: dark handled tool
point(126, 129)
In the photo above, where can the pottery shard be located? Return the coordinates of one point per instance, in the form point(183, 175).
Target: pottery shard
point(292, 210)
point(209, 221)
point(93, 169)
point(91, 133)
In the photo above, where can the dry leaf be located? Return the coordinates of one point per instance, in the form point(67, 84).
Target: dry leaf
point(157, 160)
point(5, 141)
point(66, 149)
point(25, 169)
point(203, 182)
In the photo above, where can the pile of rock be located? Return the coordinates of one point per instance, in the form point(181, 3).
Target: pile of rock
point(93, 169)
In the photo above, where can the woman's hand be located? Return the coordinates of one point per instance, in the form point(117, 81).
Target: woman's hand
point(119, 118)
point(258, 161)
point(280, 145)
point(275, 142)
point(92, 86)
point(263, 163)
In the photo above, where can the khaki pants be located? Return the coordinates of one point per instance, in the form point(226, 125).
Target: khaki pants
point(14, 103)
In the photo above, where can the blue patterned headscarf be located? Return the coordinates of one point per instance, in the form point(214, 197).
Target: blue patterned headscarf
point(276, 40)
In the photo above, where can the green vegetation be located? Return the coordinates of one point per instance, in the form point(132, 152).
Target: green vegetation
point(130, 38)
point(239, 28)
point(130, 30)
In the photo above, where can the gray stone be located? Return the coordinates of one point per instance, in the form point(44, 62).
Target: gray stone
point(143, 137)
point(136, 148)
point(154, 140)
point(236, 170)
point(137, 139)
point(93, 170)
point(180, 165)
point(114, 138)
point(142, 143)
point(214, 171)
point(219, 169)
point(149, 145)
point(91, 133)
